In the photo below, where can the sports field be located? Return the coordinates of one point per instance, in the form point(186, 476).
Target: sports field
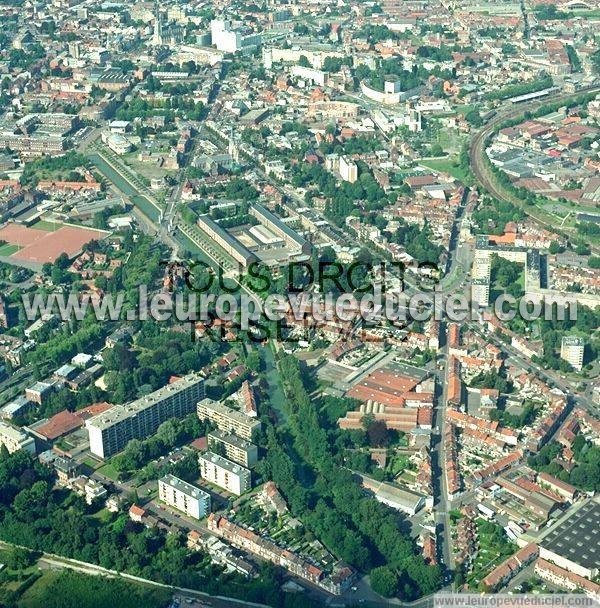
point(45, 241)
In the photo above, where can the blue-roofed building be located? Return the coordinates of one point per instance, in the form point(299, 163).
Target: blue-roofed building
point(19, 407)
point(66, 372)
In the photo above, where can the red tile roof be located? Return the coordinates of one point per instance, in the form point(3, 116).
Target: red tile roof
point(60, 424)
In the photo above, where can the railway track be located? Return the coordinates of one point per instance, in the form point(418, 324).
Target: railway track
point(479, 164)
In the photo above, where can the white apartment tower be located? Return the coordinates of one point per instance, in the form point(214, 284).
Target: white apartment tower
point(348, 170)
point(223, 37)
point(571, 350)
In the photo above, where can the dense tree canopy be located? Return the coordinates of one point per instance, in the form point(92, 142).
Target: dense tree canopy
point(329, 499)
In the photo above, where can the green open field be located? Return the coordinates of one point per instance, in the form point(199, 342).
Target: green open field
point(8, 249)
point(109, 471)
point(145, 170)
point(94, 464)
point(47, 226)
point(591, 14)
point(74, 590)
point(103, 516)
point(447, 165)
point(14, 582)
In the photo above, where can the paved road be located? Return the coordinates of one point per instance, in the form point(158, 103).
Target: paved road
point(456, 275)
point(441, 506)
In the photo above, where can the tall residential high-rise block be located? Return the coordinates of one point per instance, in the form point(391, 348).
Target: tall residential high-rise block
point(572, 349)
point(110, 431)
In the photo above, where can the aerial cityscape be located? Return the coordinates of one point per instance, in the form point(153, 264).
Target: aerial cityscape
point(299, 303)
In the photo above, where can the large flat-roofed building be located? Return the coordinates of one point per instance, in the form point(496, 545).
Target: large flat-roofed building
point(39, 392)
point(184, 496)
point(393, 496)
point(231, 40)
point(273, 223)
point(227, 419)
point(18, 407)
point(574, 542)
point(38, 134)
point(110, 431)
point(270, 241)
point(230, 245)
point(224, 473)
point(14, 439)
point(235, 448)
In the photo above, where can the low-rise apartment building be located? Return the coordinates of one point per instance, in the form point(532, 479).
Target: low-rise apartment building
point(224, 473)
point(184, 496)
point(566, 580)
point(14, 439)
point(336, 583)
point(233, 447)
point(227, 419)
point(511, 567)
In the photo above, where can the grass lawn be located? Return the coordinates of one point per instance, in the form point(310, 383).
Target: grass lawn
point(69, 589)
point(103, 516)
point(94, 464)
point(447, 165)
point(450, 140)
point(47, 226)
point(465, 108)
point(65, 445)
point(8, 249)
point(14, 582)
point(147, 496)
point(109, 471)
point(591, 14)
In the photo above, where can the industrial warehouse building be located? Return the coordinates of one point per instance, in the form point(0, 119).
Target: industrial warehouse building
point(574, 542)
